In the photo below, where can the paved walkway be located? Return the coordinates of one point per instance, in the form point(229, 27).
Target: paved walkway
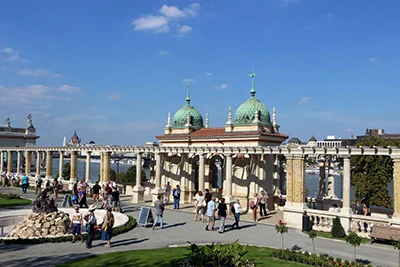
point(181, 228)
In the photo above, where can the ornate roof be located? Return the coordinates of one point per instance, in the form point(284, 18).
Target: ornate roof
point(313, 139)
point(180, 118)
point(245, 114)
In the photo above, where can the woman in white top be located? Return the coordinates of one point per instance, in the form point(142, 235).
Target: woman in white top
point(199, 205)
point(253, 206)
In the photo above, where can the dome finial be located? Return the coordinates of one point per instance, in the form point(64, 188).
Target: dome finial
point(207, 120)
point(252, 91)
point(188, 94)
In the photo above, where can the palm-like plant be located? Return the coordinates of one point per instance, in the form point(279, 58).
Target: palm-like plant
point(312, 235)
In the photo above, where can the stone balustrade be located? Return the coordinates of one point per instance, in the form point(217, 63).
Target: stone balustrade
point(322, 220)
point(363, 225)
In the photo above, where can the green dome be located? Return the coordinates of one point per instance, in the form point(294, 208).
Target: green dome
point(180, 117)
point(246, 111)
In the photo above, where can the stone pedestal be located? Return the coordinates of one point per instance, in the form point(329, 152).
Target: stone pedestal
point(155, 193)
point(138, 195)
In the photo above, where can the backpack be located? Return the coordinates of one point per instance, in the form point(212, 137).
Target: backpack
point(232, 209)
point(175, 193)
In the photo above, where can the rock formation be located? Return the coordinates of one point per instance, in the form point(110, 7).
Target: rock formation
point(42, 225)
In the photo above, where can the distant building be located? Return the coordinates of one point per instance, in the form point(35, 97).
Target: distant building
point(380, 133)
point(75, 140)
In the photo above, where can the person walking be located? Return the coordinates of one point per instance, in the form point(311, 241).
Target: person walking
point(82, 198)
point(167, 193)
point(222, 214)
point(115, 199)
point(75, 193)
point(253, 206)
point(236, 212)
point(25, 183)
point(55, 190)
point(207, 195)
point(211, 208)
point(96, 192)
point(159, 205)
point(38, 182)
point(108, 223)
point(262, 204)
point(200, 206)
point(90, 219)
point(76, 224)
point(177, 195)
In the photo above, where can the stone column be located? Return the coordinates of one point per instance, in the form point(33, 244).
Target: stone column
point(322, 177)
point(9, 162)
point(331, 178)
point(18, 163)
point(346, 185)
point(295, 181)
point(228, 179)
point(157, 190)
point(396, 187)
point(138, 190)
point(106, 169)
point(201, 172)
point(37, 163)
point(49, 165)
point(2, 161)
point(101, 168)
point(74, 166)
point(276, 175)
point(28, 163)
point(87, 173)
point(61, 166)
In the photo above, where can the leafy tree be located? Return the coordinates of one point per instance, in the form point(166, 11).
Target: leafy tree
point(67, 171)
point(337, 228)
point(371, 175)
point(130, 176)
point(354, 240)
point(113, 175)
point(281, 228)
point(312, 235)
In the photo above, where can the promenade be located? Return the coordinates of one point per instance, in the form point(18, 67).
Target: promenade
point(180, 228)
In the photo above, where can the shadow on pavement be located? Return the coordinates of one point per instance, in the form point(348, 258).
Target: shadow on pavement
point(174, 225)
point(43, 261)
point(240, 227)
point(124, 242)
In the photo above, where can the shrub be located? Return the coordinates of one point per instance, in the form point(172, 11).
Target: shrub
point(9, 196)
point(338, 260)
point(216, 255)
point(337, 229)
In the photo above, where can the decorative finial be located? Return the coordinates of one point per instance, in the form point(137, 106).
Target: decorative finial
point(207, 120)
point(29, 121)
point(188, 94)
point(169, 120)
point(253, 90)
point(256, 115)
point(273, 116)
point(229, 116)
point(7, 122)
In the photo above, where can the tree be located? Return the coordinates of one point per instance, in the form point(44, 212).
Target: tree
point(371, 175)
point(354, 240)
point(66, 171)
point(130, 176)
point(281, 228)
point(337, 228)
point(312, 235)
point(113, 175)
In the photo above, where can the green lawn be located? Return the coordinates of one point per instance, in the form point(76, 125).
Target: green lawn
point(329, 235)
point(169, 257)
point(13, 202)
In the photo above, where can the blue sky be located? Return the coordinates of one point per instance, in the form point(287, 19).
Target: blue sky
point(112, 70)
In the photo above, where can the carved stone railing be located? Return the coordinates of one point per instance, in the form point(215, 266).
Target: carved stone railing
point(363, 225)
point(322, 220)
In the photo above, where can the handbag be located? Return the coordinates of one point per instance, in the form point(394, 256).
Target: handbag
point(204, 203)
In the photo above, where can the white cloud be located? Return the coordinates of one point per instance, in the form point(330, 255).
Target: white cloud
point(163, 53)
point(304, 100)
point(113, 96)
point(168, 16)
point(188, 80)
point(69, 89)
point(285, 3)
point(171, 12)
point(222, 86)
point(38, 72)
point(329, 16)
point(157, 24)
point(8, 50)
point(207, 74)
point(373, 60)
point(184, 29)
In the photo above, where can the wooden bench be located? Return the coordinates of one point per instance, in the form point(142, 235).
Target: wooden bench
point(384, 233)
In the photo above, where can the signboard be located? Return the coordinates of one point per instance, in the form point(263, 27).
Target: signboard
point(145, 216)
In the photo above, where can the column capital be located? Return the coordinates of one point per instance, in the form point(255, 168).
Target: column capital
point(347, 157)
point(295, 156)
point(395, 158)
